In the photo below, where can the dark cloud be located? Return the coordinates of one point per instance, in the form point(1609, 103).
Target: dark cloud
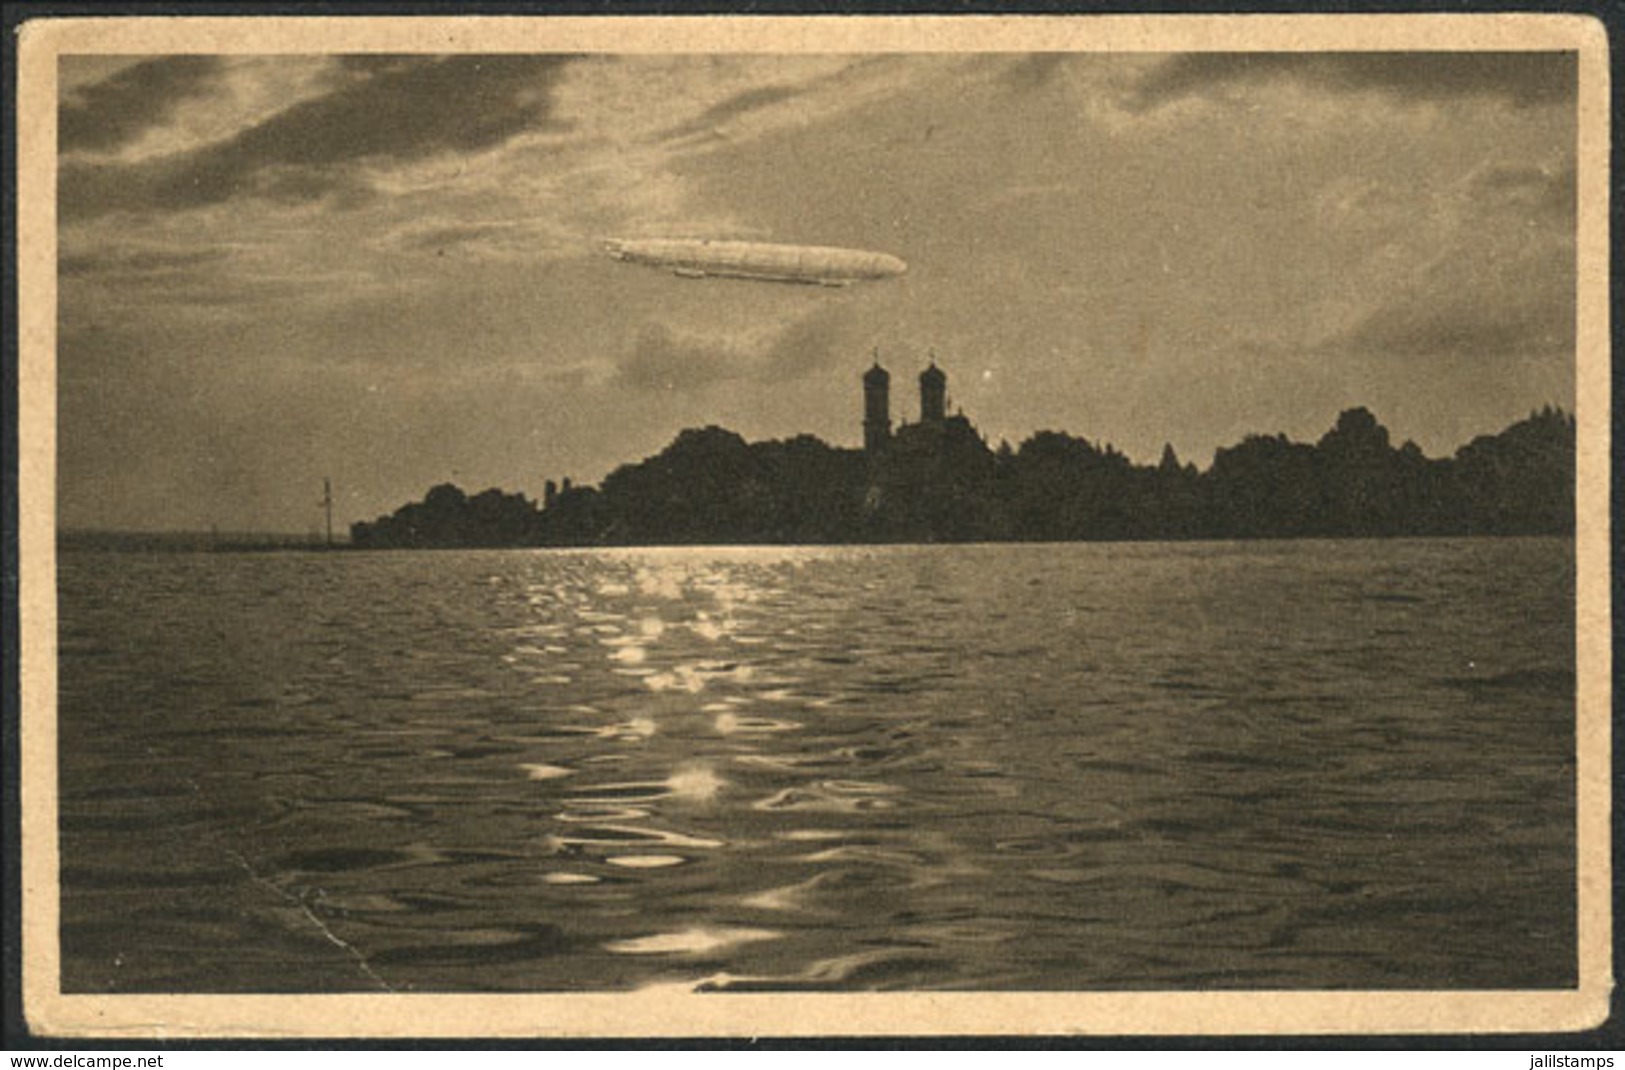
point(1538, 191)
point(811, 345)
point(661, 361)
point(119, 109)
point(1521, 78)
point(1463, 328)
point(407, 110)
point(137, 262)
point(732, 108)
point(194, 180)
point(377, 63)
point(391, 109)
point(1033, 71)
point(451, 236)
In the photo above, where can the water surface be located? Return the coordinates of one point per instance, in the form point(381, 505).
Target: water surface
point(1080, 767)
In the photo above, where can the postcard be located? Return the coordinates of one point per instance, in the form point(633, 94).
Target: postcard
point(563, 527)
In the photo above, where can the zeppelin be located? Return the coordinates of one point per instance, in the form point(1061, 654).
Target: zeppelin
point(697, 258)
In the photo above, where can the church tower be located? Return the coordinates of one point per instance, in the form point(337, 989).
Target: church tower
point(933, 394)
point(876, 408)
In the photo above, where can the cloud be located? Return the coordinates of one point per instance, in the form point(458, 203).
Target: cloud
point(662, 359)
point(114, 112)
point(1493, 276)
point(1541, 191)
point(135, 262)
point(807, 347)
point(1465, 326)
point(386, 109)
point(141, 281)
point(406, 109)
point(1481, 268)
point(498, 239)
point(718, 114)
point(1036, 70)
point(1519, 78)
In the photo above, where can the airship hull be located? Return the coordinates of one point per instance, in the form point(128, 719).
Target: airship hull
point(815, 265)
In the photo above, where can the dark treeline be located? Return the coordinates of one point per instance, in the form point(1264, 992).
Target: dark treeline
point(942, 483)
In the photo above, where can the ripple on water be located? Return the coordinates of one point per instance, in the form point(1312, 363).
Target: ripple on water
point(699, 940)
point(683, 678)
point(476, 947)
point(859, 787)
point(867, 855)
point(452, 694)
point(545, 771)
point(345, 859)
point(630, 791)
point(543, 736)
point(586, 813)
point(566, 877)
point(697, 782)
point(630, 835)
point(730, 724)
point(646, 861)
point(706, 628)
point(636, 728)
point(831, 797)
point(801, 764)
point(777, 694)
point(361, 903)
point(789, 897)
point(661, 583)
point(889, 968)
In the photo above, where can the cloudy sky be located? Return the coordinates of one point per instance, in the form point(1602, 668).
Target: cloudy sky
point(387, 269)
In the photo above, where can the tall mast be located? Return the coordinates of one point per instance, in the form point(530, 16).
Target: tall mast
point(327, 506)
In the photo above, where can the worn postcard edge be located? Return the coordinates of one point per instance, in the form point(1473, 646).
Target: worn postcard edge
point(48, 1011)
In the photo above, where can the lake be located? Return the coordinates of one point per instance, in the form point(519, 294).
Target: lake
point(1317, 764)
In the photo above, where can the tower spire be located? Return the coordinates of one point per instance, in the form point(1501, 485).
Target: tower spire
point(933, 393)
point(876, 407)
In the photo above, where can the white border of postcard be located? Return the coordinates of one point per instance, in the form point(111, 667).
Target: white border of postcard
point(661, 1014)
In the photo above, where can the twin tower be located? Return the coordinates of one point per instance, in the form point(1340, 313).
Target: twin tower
point(877, 403)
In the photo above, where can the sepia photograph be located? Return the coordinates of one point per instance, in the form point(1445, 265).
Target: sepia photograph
point(776, 526)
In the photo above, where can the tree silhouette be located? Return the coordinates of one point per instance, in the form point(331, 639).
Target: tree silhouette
point(939, 481)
